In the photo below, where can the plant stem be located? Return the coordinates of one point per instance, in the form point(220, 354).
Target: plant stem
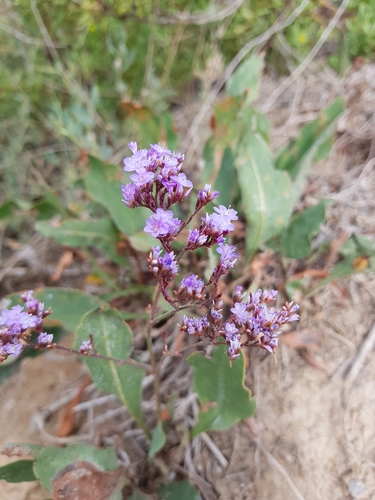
point(152, 355)
point(129, 361)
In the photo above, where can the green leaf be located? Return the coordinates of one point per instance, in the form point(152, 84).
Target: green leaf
point(266, 194)
point(49, 461)
point(49, 206)
point(252, 121)
point(226, 180)
point(138, 495)
point(225, 122)
point(346, 268)
point(359, 257)
point(245, 80)
point(291, 287)
point(296, 239)
point(298, 156)
point(142, 241)
point(205, 421)
point(113, 338)
point(182, 490)
point(68, 305)
point(101, 234)
point(7, 209)
point(103, 183)
point(157, 440)
point(215, 380)
point(171, 136)
point(209, 162)
point(17, 472)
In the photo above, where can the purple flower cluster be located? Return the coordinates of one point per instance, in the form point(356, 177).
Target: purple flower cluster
point(213, 228)
point(158, 183)
point(157, 178)
point(162, 223)
point(16, 326)
point(251, 322)
point(191, 288)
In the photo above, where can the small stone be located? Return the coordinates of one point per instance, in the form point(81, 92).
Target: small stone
point(356, 487)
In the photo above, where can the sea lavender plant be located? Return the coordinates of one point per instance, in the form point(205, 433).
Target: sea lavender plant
point(158, 183)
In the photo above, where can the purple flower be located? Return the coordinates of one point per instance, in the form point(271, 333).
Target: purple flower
point(240, 313)
point(176, 184)
point(205, 195)
point(138, 161)
point(165, 268)
point(13, 349)
point(226, 212)
point(228, 257)
point(17, 319)
point(230, 330)
point(160, 150)
point(142, 177)
point(30, 302)
point(196, 239)
point(85, 347)
point(193, 326)
point(129, 193)
point(235, 347)
point(168, 264)
point(192, 286)
point(216, 314)
point(223, 217)
point(162, 223)
point(133, 146)
point(45, 339)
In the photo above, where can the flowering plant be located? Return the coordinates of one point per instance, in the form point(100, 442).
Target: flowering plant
point(158, 184)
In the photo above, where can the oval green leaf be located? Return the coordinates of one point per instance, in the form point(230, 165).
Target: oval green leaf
point(266, 193)
point(217, 382)
point(101, 234)
point(50, 460)
point(182, 490)
point(17, 472)
point(157, 440)
point(113, 338)
point(103, 183)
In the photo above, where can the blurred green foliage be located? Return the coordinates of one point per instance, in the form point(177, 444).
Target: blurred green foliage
point(82, 77)
point(56, 102)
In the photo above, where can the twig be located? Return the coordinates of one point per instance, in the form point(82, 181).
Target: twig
point(210, 15)
point(214, 449)
point(172, 54)
point(65, 73)
point(308, 60)
point(24, 38)
point(204, 487)
point(272, 460)
point(101, 400)
point(120, 362)
point(360, 356)
point(38, 18)
point(278, 25)
point(313, 69)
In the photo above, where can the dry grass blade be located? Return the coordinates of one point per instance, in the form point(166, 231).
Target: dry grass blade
point(210, 15)
point(364, 350)
point(259, 40)
point(307, 61)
